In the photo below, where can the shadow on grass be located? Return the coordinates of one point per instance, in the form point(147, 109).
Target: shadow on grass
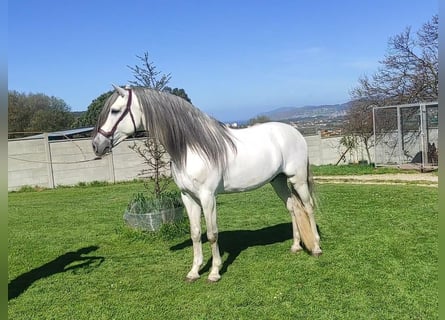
point(61, 264)
point(235, 242)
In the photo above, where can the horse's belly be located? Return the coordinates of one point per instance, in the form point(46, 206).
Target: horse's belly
point(235, 185)
point(249, 171)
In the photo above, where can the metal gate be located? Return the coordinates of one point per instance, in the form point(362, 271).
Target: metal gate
point(406, 134)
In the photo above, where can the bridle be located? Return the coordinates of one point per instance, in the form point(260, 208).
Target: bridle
point(108, 134)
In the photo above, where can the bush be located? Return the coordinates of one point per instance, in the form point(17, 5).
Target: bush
point(140, 203)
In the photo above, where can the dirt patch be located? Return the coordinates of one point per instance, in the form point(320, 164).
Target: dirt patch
point(424, 179)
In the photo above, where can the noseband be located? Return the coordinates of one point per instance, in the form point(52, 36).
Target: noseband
point(108, 134)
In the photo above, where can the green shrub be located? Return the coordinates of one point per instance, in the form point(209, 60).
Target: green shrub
point(140, 203)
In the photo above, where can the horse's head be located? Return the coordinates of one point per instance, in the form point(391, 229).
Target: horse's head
point(119, 119)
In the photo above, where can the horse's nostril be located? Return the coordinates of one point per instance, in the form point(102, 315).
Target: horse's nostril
point(95, 148)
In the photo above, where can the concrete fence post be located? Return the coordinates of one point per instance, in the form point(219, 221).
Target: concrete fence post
point(111, 173)
point(49, 164)
point(320, 148)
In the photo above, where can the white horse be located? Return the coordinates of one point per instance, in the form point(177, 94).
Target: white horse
point(209, 158)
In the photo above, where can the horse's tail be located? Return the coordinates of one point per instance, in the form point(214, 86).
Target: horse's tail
point(304, 225)
point(311, 186)
point(302, 215)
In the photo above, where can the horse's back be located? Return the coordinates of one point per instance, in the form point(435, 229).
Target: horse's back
point(272, 136)
point(292, 146)
point(264, 151)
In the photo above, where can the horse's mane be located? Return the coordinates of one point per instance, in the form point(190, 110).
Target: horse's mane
point(178, 125)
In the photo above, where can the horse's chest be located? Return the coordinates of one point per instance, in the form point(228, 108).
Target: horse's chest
point(197, 180)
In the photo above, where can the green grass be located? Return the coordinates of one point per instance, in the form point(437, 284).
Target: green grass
point(355, 169)
point(380, 258)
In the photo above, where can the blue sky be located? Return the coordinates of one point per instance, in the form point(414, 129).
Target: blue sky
point(235, 59)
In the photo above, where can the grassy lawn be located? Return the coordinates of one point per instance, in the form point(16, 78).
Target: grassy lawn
point(356, 169)
point(71, 257)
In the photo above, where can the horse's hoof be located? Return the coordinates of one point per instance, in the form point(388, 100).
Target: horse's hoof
point(213, 279)
point(190, 280)
point(296, 249)
point(317, 253)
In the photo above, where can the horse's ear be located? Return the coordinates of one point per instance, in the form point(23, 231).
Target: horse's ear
point(119, 90)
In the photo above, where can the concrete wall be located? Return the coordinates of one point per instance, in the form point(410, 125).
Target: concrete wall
point(33, 169)
point(329, 150)
point(39, 162)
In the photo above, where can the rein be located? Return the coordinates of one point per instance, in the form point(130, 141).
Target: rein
point(108, 134)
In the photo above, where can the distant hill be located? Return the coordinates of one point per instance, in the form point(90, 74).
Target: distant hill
point(77, 114)
point(328, 111)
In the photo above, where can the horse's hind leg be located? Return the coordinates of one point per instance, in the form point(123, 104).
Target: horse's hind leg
point(281, 187)
point(305, 204)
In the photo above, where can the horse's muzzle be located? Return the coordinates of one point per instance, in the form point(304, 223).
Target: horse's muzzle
point(101, 145)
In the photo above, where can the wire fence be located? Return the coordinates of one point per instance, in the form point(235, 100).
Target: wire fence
point(406, 134)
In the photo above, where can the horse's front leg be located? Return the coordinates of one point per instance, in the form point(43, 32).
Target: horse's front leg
point(208, 202)
point(194, 214)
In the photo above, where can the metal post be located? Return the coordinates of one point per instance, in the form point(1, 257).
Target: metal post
point(399, 135)
point(423, 130)
point(375, 139)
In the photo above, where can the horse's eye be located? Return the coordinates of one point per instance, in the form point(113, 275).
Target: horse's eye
point(114, 111)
